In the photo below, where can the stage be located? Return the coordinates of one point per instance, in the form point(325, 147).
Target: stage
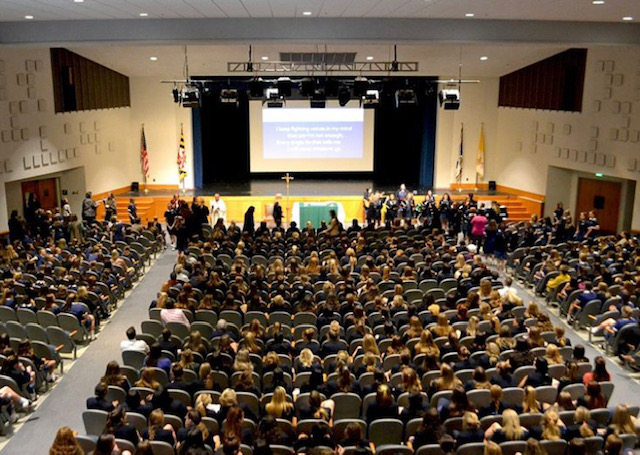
point(261, 193)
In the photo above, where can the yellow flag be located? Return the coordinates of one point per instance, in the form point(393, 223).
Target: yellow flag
point(480, 155)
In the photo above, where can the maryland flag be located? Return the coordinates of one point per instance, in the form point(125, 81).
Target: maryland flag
point(182, 157)
point(460, 155)
point(480, 155)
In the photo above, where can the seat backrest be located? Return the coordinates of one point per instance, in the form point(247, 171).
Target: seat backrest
point(94, 421)
point(59, 337)
point(386, 431)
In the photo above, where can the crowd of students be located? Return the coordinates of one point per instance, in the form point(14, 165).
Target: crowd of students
point(409, 322)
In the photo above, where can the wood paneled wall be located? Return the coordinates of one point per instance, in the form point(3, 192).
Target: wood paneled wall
point(80, 84)
point(555, 83)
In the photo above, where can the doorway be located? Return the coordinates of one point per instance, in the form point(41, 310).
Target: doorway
point(604, 198)
point(46, 191)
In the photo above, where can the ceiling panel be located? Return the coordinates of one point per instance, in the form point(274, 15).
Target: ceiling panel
point(206, 8)
point(334, 8)
point(577, 10)
point(258, 9)
point(283, 8)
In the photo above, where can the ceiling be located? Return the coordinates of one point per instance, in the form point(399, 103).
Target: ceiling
point(548, 10)
point(211, 59)
point(435, 33)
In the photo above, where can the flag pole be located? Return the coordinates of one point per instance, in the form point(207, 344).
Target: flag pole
point(144, 173)
point(459, 176)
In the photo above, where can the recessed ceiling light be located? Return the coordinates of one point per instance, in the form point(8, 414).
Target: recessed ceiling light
point(28, 17)
point(144, 14)
point(264, 57)
point(153, 59)
point(370, 57)
point(484, 58)
point(306, 13)
point(470, 15)
point(78, 1)
point(598, 2)
point(627, 18)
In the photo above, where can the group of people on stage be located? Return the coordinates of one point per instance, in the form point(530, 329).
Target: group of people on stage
point(448, 216)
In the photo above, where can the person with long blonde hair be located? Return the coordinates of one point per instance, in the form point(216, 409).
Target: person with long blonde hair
point(204, 405)
point(442, 328)
point(622, 421)
point(65, 443)
point(148, 379)
point(551, 424)
point(510, 430)
point(472, 326)
point(446, 381)
point(158, 430)
point(369, 345)
point(426, 345)
point(305, 360)
point(410, 380)
point(553, 356)
point(582, 418)
point(279, 407)
point(530, 405)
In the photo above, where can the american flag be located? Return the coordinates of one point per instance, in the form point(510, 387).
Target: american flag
point(182, 156)
point(144, 156)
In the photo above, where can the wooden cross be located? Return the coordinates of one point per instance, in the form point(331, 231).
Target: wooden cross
point(287, 178)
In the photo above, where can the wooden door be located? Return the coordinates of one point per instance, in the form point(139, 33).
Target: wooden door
point(45, 190)
point(604, 198)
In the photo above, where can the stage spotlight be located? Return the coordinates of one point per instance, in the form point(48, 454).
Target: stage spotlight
point(331, 87)
point(256, 88)
point(449, 99)
point(176, 95)
point(284, 86)
point(371, 99)
point(318, 100)
point(229, 96)
point(360, 86)
point(344, 96)
point(191, 96)
point(406, 97)
point(273, 98)
point(307, 87)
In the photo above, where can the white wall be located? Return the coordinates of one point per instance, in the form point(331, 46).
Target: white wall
point(34, 141)
point(522, 143)
point(152, 104)
point(479, 104)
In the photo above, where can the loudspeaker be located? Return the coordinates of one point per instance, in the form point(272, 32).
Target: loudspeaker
point(492, 185)
point(135, 186)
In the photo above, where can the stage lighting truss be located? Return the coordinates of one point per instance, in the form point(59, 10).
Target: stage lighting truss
point(323, 67)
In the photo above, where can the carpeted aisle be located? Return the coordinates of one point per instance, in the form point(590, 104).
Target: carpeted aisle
point(64, 404)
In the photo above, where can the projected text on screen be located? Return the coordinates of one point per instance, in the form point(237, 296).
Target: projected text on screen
point(312, 133)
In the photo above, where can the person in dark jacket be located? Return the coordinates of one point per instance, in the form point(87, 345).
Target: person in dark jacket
point(384, 407)
point(99, 401)
point(471, 431)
